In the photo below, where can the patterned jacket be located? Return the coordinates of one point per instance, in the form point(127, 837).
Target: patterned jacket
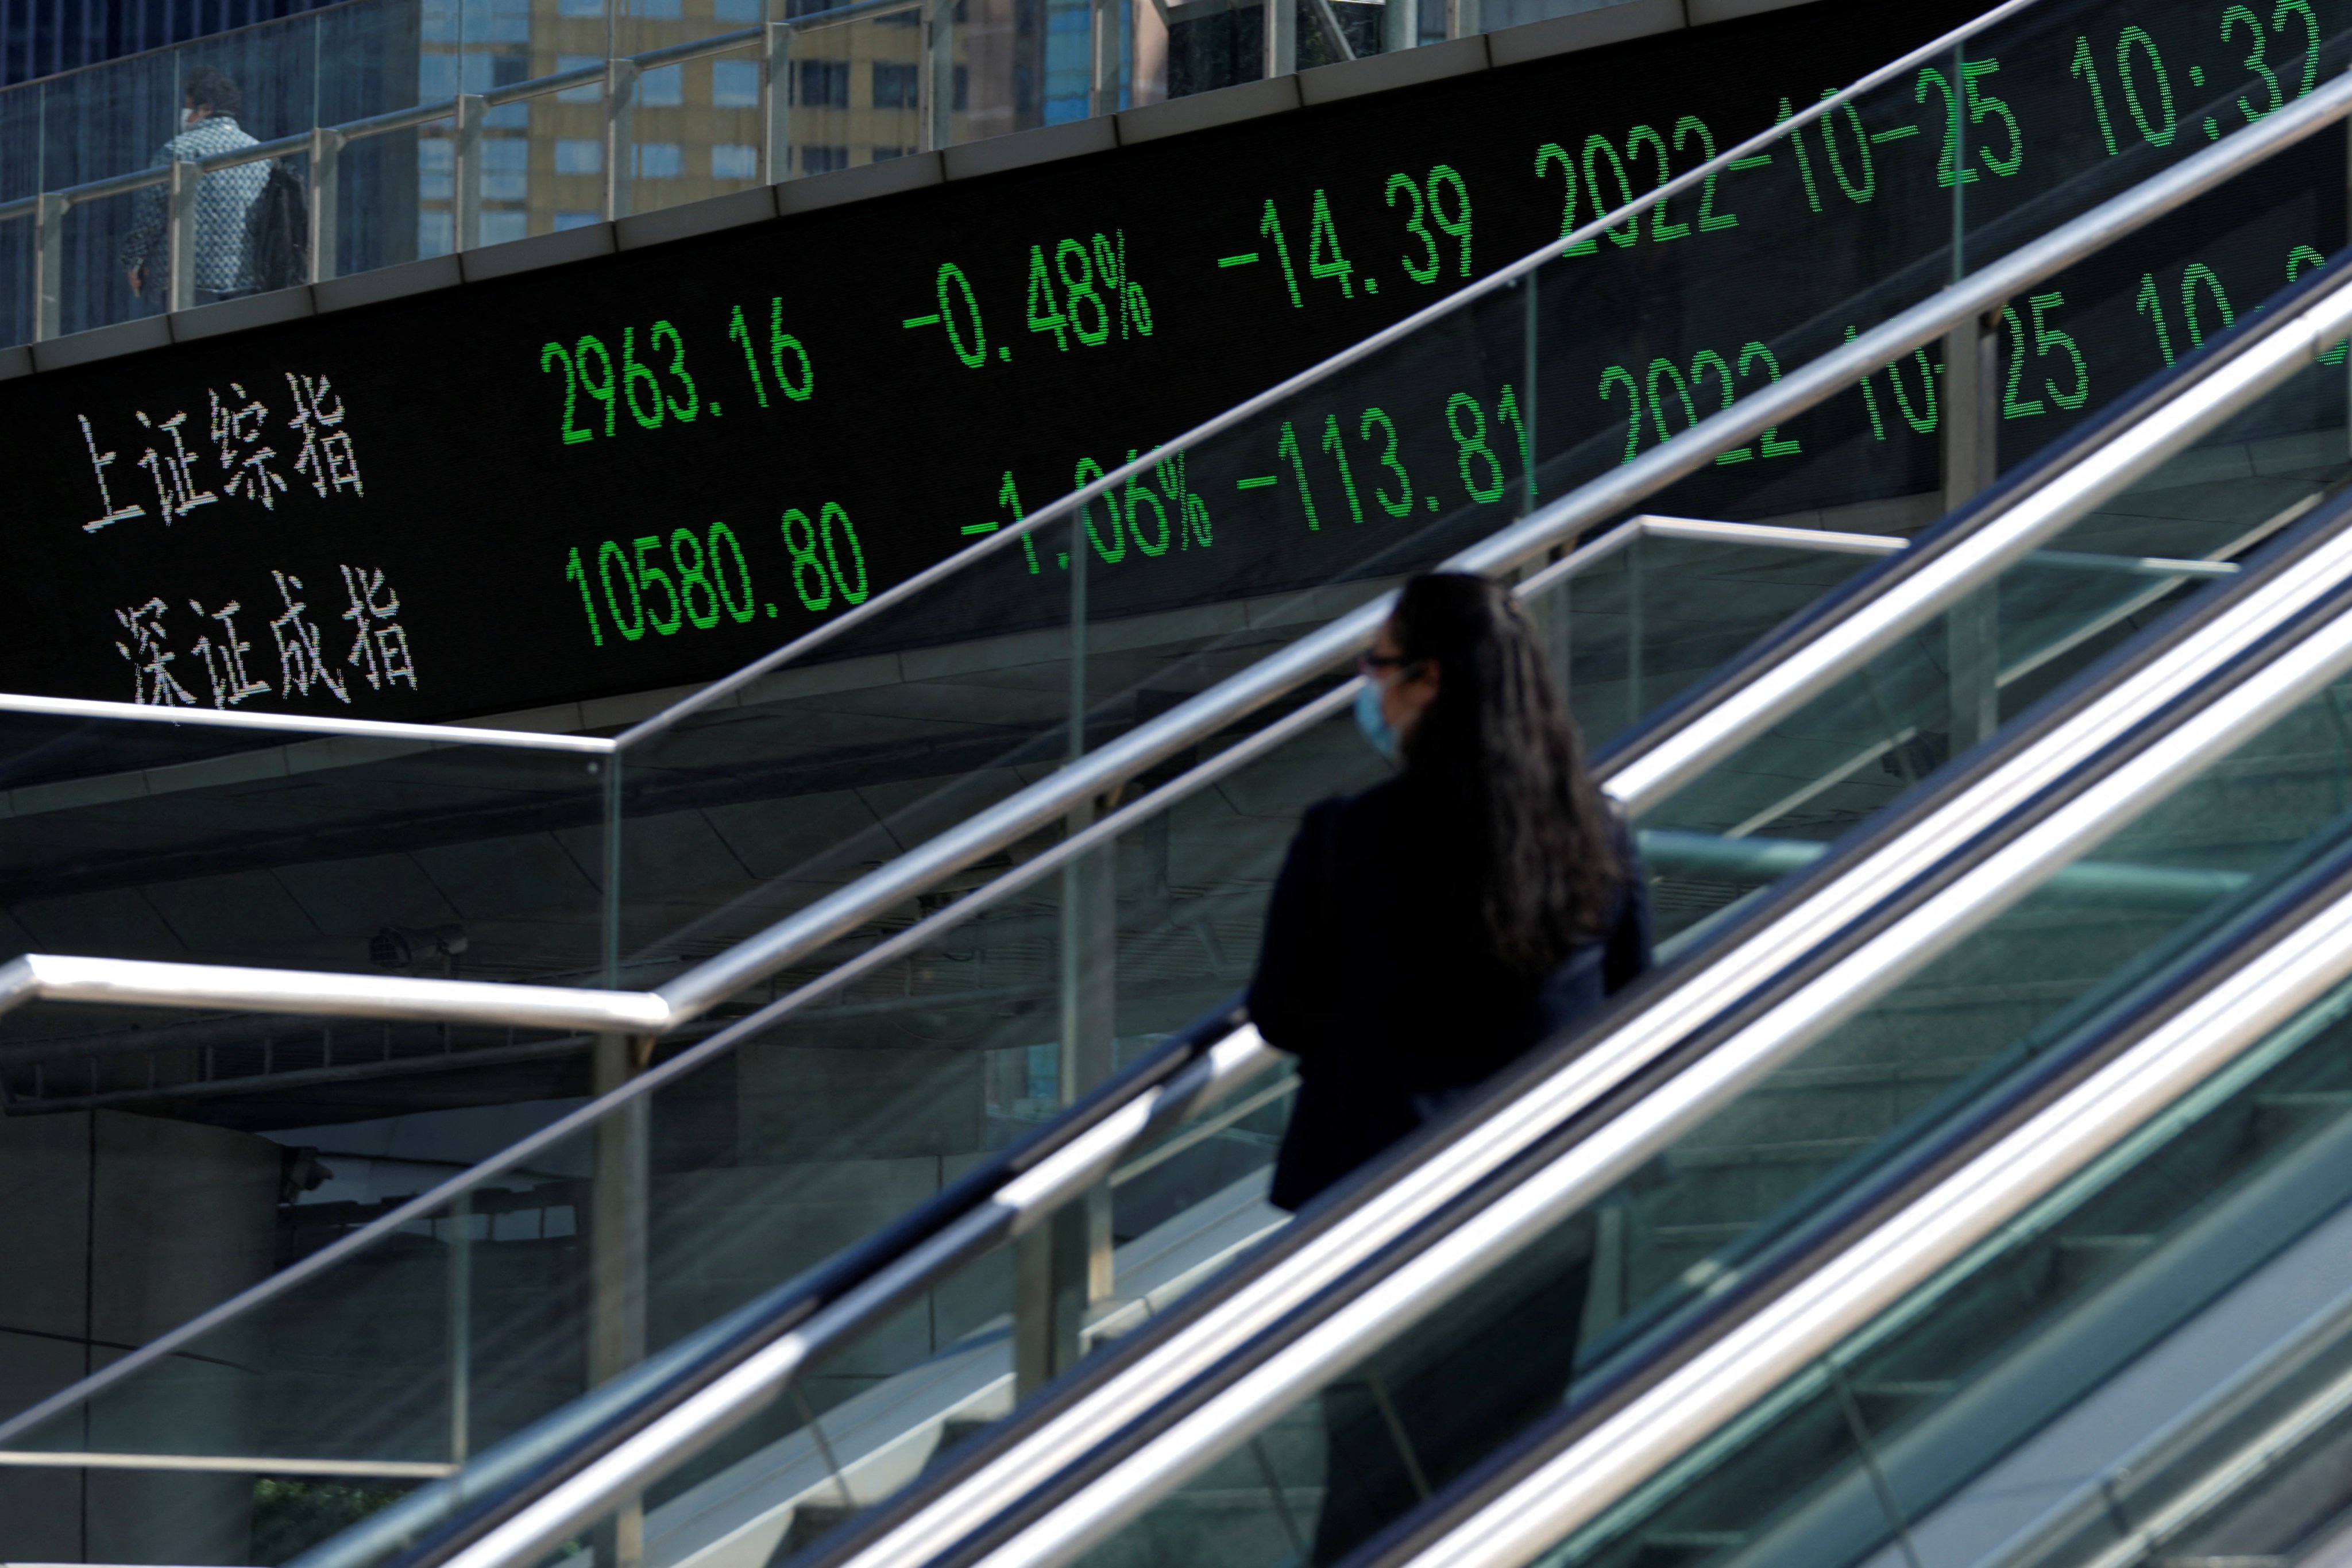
point(223, 198)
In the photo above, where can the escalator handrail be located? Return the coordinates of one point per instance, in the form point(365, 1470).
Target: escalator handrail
point(1827, 1280)
point(1385, 1222)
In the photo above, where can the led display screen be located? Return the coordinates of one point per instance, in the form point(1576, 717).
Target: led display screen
point(650, 468)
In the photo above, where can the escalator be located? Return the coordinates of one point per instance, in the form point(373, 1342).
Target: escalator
point(1406, 1306)
point(758, 1157)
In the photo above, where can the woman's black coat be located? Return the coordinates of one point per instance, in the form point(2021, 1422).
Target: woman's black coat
point(1377, 974)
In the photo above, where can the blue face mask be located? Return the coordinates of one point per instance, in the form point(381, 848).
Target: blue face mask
point(1373, 723)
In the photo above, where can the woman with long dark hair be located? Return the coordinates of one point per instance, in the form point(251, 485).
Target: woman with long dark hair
point(1422, 935)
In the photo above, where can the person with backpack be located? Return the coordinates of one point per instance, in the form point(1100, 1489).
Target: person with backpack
point(224, 197)
point(1422, 936)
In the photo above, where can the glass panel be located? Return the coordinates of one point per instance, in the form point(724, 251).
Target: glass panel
point(145, 840)
point(1433, 1404)
point(2147, 1365)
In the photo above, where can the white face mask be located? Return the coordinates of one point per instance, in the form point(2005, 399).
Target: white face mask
point(187, 120)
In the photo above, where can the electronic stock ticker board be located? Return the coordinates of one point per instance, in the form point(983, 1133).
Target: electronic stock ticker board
point(651, 468)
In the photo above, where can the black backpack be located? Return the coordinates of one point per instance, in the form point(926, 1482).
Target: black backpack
point(277, 230)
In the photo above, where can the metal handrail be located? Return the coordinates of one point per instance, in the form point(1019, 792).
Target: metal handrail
point(1077, 1471)
point(326, 725)
point(1807, 1315)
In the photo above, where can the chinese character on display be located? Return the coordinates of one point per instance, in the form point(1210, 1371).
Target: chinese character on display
point(299, 661)
point(225, 662)
point(152, 682)
point(99, 463)
point(326, 458)
point(236, 431)
point(380, 646)
point(175, 486)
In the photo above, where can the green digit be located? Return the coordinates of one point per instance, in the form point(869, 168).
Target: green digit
point(2200, 273)
point(740, 606)
point(1339, 450)
point(1289, 447)
point(835, 522)
point(601, 393)
point(1271, 224)
point(1086, 473)
point(1771, 446)
point(2158, 137)
point(2011, 407)
point(2148, 305)
point(742, 334)
point(691, 576)
point(1473, 445)
point(1403, 502)
point(1426, 272)
point(2086, 68)
point(1699, 364)
point(632, 626)
point(1548, 154)
point(683, 412)
point(1623, 234)
point(779, 341)
point(1082, 290)
point(2299, 261)
point(1659, 229)
point(1323, 258)
point(1618, 376)
point(1137, 495)
point(634, 371)
point(977, 355)
point(570, 392)
point(1459, 225)
point(579, 574)
point(1709, 222)
point(1659, 370)
point(809, 580)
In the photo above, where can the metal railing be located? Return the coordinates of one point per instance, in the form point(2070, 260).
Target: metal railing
point(323, 146)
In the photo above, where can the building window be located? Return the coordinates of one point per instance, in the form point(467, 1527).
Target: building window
point(884, 154)
point(824, 160)
point(437, 234)
point(735, 84)
point(437, 162)
point(664, 87)
point(506, 169)
point(736, 10)
point(579, 155)
point(658, 10)
point(895, 86)
point(822, 84)
point(576, 220)
point(497, 228)
point(735, 161)
point(660, 160)
point(579, 7)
